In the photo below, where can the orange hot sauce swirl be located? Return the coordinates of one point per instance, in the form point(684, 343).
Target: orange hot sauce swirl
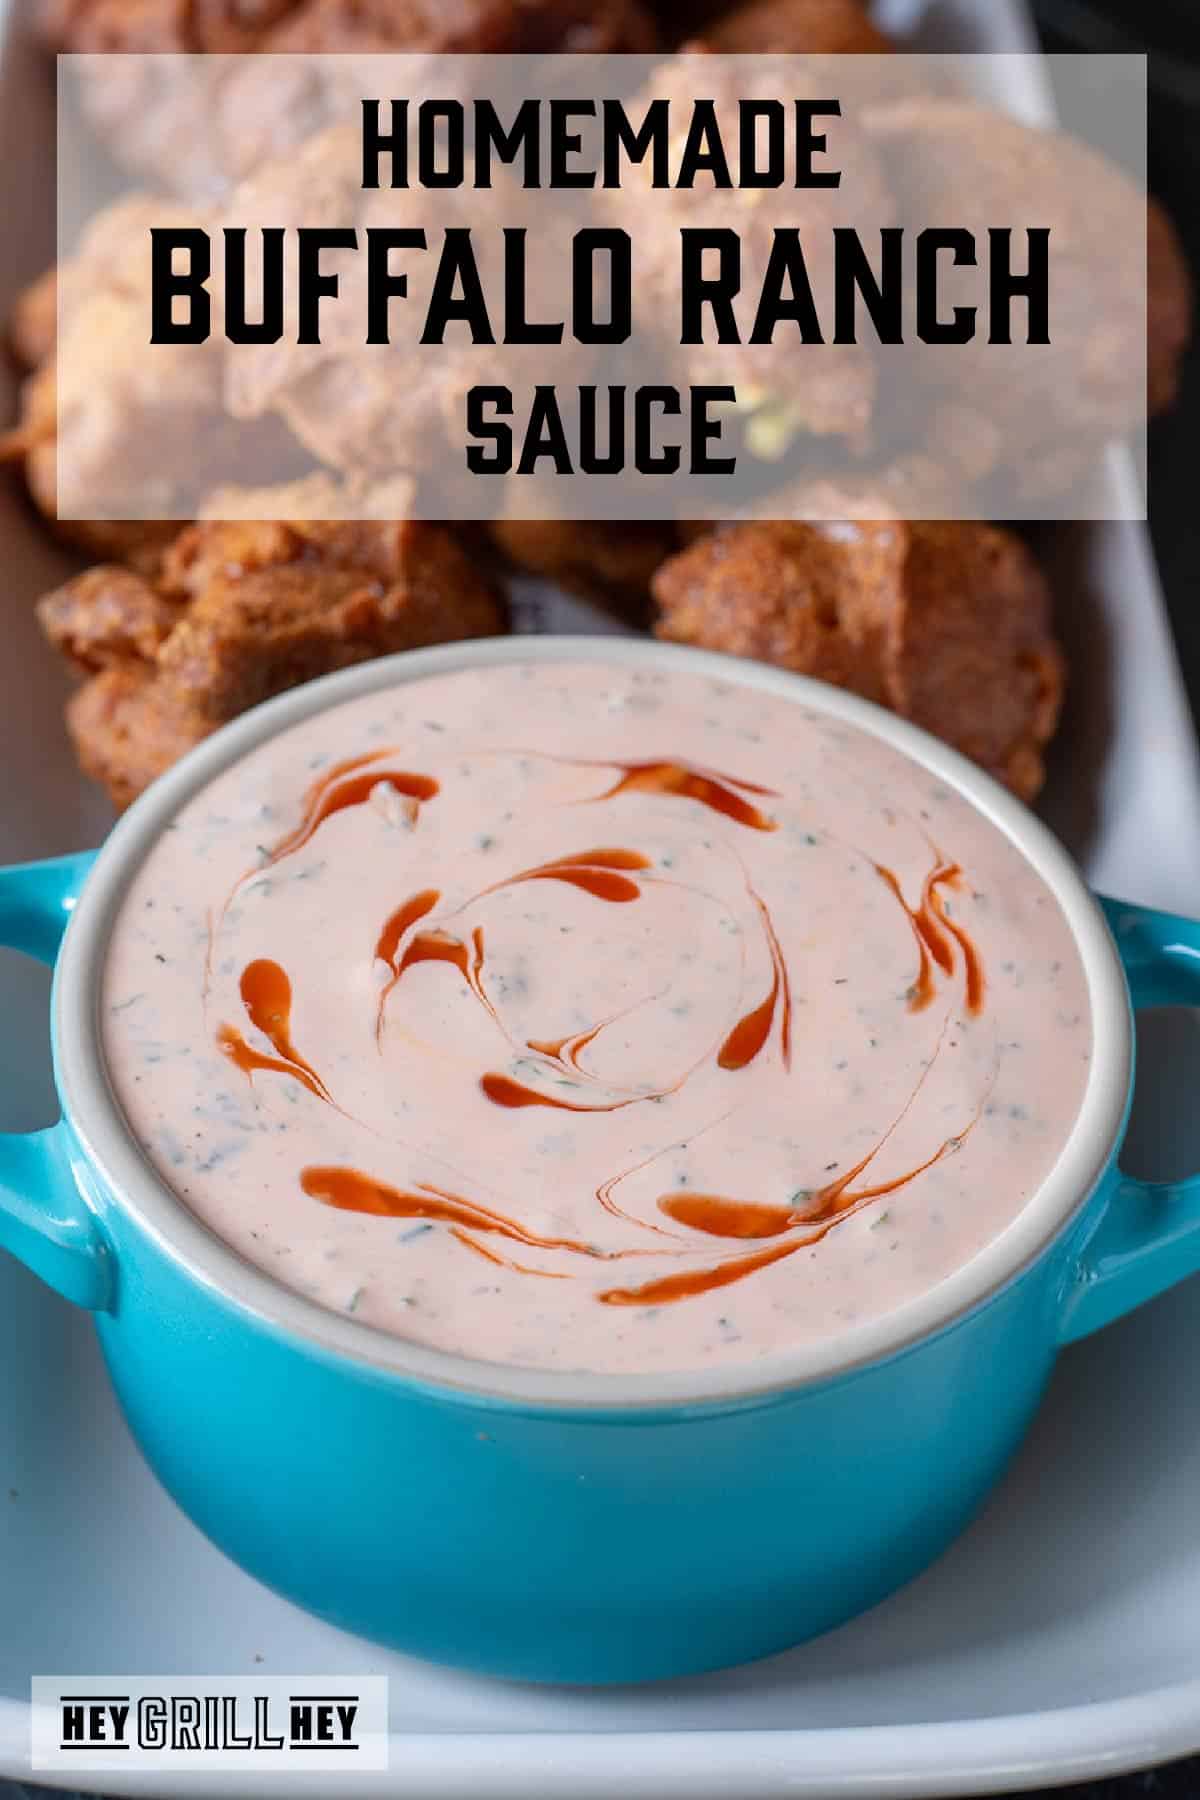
point(722, 993)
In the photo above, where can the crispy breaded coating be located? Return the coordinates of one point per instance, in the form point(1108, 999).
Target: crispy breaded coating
point(198, 127)
point(609, 560)
point(797, 27)
point(112, 255)
point(240, 611)
point(347, 26)
point(975, 661)
point(106, 279)
point(33, 322)
point(948, 624)
point(33, 443)
point(1048, 412)
point(464, 26)
point(94, 380)
point(253, 634)
point(1169, 308)
point(914, 486)
point(105, 616)
point(270, 605)
point(316, 496)
point(157, 25)
point(126, 730)
point(97, 410)
point(785, 391)
point(138, 542)
point(815, 598)
point(371, 412)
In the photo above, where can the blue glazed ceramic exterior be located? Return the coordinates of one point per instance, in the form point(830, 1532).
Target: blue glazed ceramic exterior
point(572, 1528)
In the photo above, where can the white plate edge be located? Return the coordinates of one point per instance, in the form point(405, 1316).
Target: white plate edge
point(898, 1762)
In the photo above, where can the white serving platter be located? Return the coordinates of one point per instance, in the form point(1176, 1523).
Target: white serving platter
point(1059, 1638)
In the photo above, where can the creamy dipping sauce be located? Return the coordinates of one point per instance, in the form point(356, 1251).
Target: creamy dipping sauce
point(583, 1017)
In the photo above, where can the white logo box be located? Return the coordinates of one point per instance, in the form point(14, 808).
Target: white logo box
point(331, 1723)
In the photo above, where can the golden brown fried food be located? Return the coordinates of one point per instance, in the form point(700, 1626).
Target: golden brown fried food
point(948, 624)
point(93, 378)
point(609, 560)
point(98, 411)
point(271, 605)
point(797, 27)
point(784, 390)
point(814, 598)
point(33, 322)
point(318, 495)
point(1043, 413)
point(127, 730)
point(112, 256)
point(157, 25)
point(371, 412)
point(464, 26)
point(914, 486)
point(33, 444)
point(106, 616)
point(198, 127)
point(240, 611)
point(1169, 306)
point(110, 264)
point(975, 661)
point(348, 26)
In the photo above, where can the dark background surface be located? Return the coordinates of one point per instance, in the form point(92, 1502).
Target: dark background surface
point(1170, 30)
point(1174, 166)
point(1178, 1781)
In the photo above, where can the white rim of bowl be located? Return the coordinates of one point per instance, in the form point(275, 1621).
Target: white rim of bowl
point(93, 1112)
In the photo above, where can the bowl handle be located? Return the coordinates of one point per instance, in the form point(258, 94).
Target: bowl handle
point(1149, 1235)
point(43, 1219)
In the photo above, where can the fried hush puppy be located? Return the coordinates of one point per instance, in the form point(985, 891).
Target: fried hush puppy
point(96, 408)
point(466, 27)
point(1169, 307)
point(809, 27)
point(196, 128)
point(33, 321)
point(397, 406)
point(825, 33)
point(317, 496)
point(1046, 412)
point(239, 612)
point(797, 27)
point(112, 256)
point(948, 624)
point(33, 443)
point(829, 390)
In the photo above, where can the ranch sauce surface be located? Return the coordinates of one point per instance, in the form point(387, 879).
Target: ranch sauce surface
point(589, 1018)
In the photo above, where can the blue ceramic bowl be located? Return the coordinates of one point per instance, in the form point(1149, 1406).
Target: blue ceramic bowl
point(567, 1527)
